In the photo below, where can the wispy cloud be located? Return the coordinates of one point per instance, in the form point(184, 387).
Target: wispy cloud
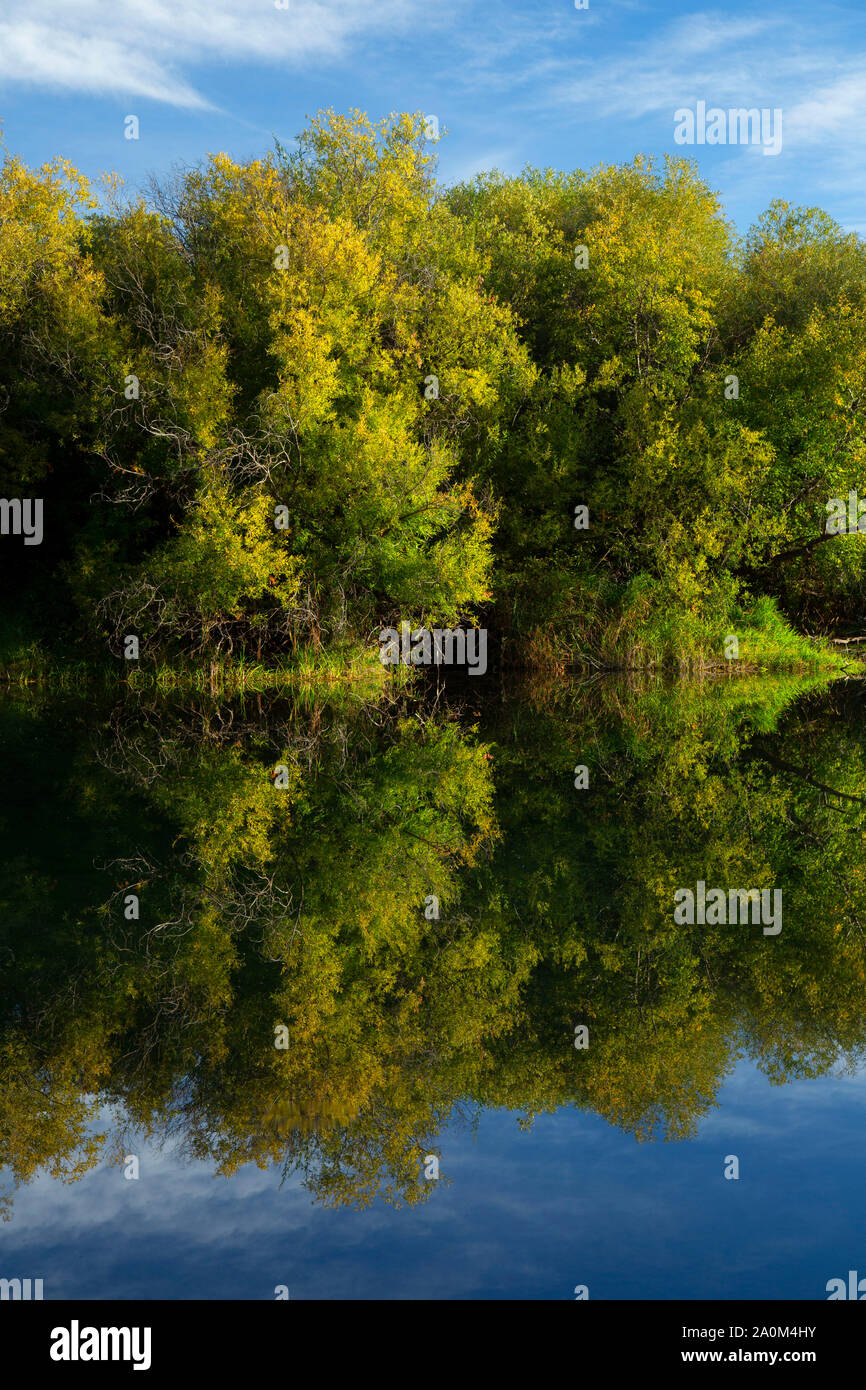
point(698, 57)
point(813, 69)
point(43, 57)
point(519, 81)
point(833, 110)
point(145, 47)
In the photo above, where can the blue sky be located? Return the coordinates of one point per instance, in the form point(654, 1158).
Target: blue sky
point(537, 82)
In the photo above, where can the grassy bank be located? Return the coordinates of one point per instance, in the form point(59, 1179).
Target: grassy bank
point(627, 639)
point(636, 635)
point(26, 661)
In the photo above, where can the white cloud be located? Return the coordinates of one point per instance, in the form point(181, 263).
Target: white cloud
point(142, 47)
point(835, 109)
point(723, 62)
point(33, 54)
point(816, 75)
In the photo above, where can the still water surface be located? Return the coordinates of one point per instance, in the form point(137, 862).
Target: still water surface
point(371, 967)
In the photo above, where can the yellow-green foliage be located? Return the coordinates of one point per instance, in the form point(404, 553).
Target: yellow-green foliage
point(424, 384)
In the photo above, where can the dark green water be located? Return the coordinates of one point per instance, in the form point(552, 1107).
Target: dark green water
point(353, 994)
